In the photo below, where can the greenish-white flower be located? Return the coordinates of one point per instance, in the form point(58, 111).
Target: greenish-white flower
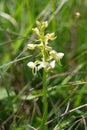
point(50, 36)
point(42, 65)
point(55, 55)
point(47, 56)
point(32, 65)
point(31, 46)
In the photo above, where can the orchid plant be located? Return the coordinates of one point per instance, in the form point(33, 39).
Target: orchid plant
point(47, 60)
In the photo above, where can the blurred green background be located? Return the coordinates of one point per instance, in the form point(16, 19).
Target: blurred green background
point(20, 91)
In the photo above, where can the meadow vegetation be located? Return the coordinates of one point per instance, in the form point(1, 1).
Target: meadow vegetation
point(22, 105)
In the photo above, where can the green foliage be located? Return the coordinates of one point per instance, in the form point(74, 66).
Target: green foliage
point(20, 92)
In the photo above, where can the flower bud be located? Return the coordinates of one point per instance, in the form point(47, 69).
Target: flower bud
point(44, 25)
point(38, 23)
point(35, 30)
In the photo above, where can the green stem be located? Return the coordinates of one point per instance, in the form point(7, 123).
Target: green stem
point(45, 103)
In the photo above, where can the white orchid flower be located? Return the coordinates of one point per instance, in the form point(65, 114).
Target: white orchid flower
point(43, 65)
point(55, 55)
point(32, 65)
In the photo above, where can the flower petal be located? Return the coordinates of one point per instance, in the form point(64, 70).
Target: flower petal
point(31, 65)
point(52, 64)
point(60, 55)
point(43, 65)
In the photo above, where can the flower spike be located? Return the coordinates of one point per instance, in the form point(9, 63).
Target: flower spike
point(48, 56)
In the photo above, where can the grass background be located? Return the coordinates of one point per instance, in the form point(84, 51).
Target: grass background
point(21, 92)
